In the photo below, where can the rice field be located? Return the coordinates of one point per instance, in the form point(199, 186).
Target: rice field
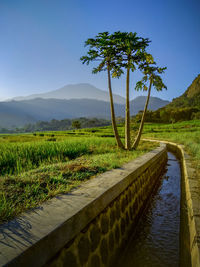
point(38, 166)
point(18, 157)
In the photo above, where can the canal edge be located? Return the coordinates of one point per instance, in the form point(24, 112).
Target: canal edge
point(87, 227)
point(190, 207)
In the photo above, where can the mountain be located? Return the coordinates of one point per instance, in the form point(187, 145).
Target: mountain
point(76, 91)
point(19, 113)
point(138, 103)
point(39, 109)
point(190, 98)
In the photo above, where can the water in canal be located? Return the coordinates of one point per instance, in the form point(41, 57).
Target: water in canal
point(155, 242)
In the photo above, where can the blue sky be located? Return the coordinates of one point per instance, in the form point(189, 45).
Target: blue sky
point(42, 41)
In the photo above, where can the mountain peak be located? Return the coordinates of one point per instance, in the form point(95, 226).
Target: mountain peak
point(76, 91)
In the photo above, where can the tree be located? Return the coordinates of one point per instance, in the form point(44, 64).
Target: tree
point(76, 124)
point(165, 115)
point(151, 74)
point(131, 52)
point(102, 48)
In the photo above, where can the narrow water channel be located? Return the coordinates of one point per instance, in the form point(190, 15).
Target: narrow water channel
point(155, 242)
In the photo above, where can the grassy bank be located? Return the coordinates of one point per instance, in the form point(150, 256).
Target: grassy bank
point(186, 133)
point(55, 167)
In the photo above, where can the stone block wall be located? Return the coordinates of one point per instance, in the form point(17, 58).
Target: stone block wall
point(99, 243)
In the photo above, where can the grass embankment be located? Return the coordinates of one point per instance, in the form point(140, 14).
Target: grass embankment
point(55, 166)
point(186, 133)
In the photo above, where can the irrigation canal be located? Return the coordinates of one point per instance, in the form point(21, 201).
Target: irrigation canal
point(155, 241)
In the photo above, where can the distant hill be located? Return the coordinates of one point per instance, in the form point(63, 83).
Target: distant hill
point(75, 91)
point(19, 113)
point(138, 103)
point(191, 97)
point(30, 111)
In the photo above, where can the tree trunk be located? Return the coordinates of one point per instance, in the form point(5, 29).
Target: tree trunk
point(137, 140)
point(127, 117)
point(114, 125)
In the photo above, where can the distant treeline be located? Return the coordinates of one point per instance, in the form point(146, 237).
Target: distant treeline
point(59, 125)
point(163, 115)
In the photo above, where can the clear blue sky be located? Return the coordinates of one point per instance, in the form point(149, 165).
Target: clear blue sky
point(42, 41)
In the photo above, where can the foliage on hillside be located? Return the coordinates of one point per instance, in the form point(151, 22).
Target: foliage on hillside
point(170, 115)
point(183, 108)
point(191, 97)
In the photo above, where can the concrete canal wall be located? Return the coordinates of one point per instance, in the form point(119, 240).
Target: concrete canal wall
point(88, 226)
point(190, 209)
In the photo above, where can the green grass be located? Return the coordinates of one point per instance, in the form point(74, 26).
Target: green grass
point(18, 157)
point(36, 167)
point(36, 170)
point(186, 133)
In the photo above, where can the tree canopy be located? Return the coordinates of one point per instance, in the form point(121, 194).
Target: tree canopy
point(116, 53)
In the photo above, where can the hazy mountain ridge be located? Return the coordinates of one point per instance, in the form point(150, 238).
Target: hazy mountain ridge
point(75, 91)
point(19, 113)
point(138, 103)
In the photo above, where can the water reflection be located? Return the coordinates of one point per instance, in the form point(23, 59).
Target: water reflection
point(156, 241)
